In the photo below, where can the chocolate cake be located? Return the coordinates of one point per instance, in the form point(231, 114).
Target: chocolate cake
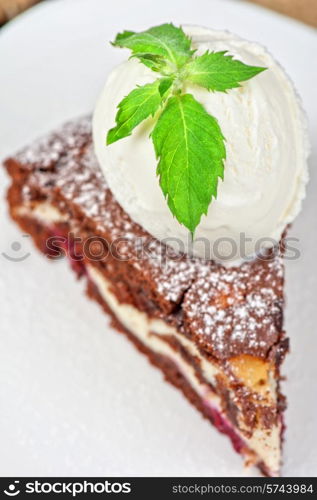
point(215, 332)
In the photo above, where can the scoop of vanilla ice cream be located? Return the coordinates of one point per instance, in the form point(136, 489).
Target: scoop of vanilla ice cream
point(265, 170)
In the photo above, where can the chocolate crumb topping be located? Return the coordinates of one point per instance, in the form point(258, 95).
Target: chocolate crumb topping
point(237, 310)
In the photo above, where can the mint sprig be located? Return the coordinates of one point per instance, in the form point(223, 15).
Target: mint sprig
point(169, 44)
point(188, 141)
point(218, 71)
point(189, 144)
point(141, 103)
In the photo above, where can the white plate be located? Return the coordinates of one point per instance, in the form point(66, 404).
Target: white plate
point(76, 399)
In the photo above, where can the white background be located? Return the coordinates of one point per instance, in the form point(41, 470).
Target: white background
point(75, 398)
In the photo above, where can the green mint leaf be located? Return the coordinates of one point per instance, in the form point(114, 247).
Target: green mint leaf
point(138, 105)
point(165, 85)
point(166, 41)
point(122, 36)
point(155, 63)
point(219, 71)
point(188, 141)
point(190, 147)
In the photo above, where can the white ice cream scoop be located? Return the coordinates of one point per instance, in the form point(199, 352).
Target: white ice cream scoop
point(266, 166)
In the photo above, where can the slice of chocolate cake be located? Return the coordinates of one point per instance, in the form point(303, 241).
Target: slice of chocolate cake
point(216, 333)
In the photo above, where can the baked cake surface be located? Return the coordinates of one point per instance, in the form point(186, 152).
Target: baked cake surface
point(216, 333)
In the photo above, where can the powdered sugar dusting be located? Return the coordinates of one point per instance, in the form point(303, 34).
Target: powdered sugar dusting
point(64, 164)
point(237, 310)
